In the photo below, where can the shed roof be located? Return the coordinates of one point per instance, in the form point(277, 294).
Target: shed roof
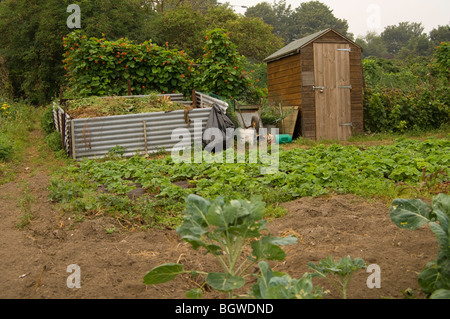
point(296, 45)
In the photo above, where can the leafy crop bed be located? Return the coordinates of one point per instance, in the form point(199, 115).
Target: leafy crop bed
point(96, 106)
point(152, 192)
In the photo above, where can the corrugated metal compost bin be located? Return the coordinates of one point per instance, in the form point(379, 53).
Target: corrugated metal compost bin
point(136, 133)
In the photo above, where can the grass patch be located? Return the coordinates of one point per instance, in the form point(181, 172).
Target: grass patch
point(15, 137)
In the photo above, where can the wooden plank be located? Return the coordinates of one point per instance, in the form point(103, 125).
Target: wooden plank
point(287, 59)
point(309, 120)
point(309, 113)
point(306, 55)
point(287, 97)
point(287, 91)
point(310, 128)
point(283, 65)
point(285, 82)
point(290, 102)
point(307, 78)
point(291, 73)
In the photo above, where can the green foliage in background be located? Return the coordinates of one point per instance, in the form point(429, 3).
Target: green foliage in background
point(408, 95)
point(32, 32)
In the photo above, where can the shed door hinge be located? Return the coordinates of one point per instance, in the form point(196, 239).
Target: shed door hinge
point(345, 87)
point(347, 50)
point(346, 124)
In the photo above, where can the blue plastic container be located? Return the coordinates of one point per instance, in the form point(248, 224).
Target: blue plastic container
point(283, 138)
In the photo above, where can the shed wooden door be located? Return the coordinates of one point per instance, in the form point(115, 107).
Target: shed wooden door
point(332, 90)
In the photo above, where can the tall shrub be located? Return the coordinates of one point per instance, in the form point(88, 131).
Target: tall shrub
point(98, 67)
point(402, 96)
point(222, 69)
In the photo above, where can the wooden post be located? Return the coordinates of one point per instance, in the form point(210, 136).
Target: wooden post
point(194, 99)
point(129, 87)
point(63, 129)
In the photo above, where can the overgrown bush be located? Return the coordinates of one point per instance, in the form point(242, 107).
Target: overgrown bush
point(53, 140)
point(47, 124)
point(391, 110)
point(98, 67)
point(412, 95)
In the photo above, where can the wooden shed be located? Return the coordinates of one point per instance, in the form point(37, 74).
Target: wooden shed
point(322, 74)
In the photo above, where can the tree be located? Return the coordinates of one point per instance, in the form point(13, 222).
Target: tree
point(314, 16)
point(441, 34)
point(396, 37)
point(278, 15)
point(164, 5)
point(182, 28)
point(32, 32)
point(254, 38)
point(417, 46)
point(372, 45)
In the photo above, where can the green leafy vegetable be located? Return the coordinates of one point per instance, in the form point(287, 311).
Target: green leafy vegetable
point(412, 214)
point(338, 273)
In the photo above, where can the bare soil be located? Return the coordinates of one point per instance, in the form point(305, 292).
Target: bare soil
point(34, 260)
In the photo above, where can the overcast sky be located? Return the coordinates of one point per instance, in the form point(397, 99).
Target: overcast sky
point(375, 15)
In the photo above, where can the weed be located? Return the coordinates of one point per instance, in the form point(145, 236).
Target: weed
point(25, 203)
point(6, 148)
point(64, 191)
point(338, 273)
point(111, 230)
point(46, 119)
point(53, 140)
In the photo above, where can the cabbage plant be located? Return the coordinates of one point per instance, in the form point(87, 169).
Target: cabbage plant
point(414, 213)
point(234, 232)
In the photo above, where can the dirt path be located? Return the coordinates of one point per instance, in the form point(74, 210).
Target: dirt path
point(34, 260)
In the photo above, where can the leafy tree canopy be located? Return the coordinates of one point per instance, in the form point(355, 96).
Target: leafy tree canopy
point(398, 36)
point(314, 16)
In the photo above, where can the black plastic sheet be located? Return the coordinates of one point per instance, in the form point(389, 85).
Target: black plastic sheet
point(219, 131)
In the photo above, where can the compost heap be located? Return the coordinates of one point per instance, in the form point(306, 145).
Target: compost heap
point(108, 106)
